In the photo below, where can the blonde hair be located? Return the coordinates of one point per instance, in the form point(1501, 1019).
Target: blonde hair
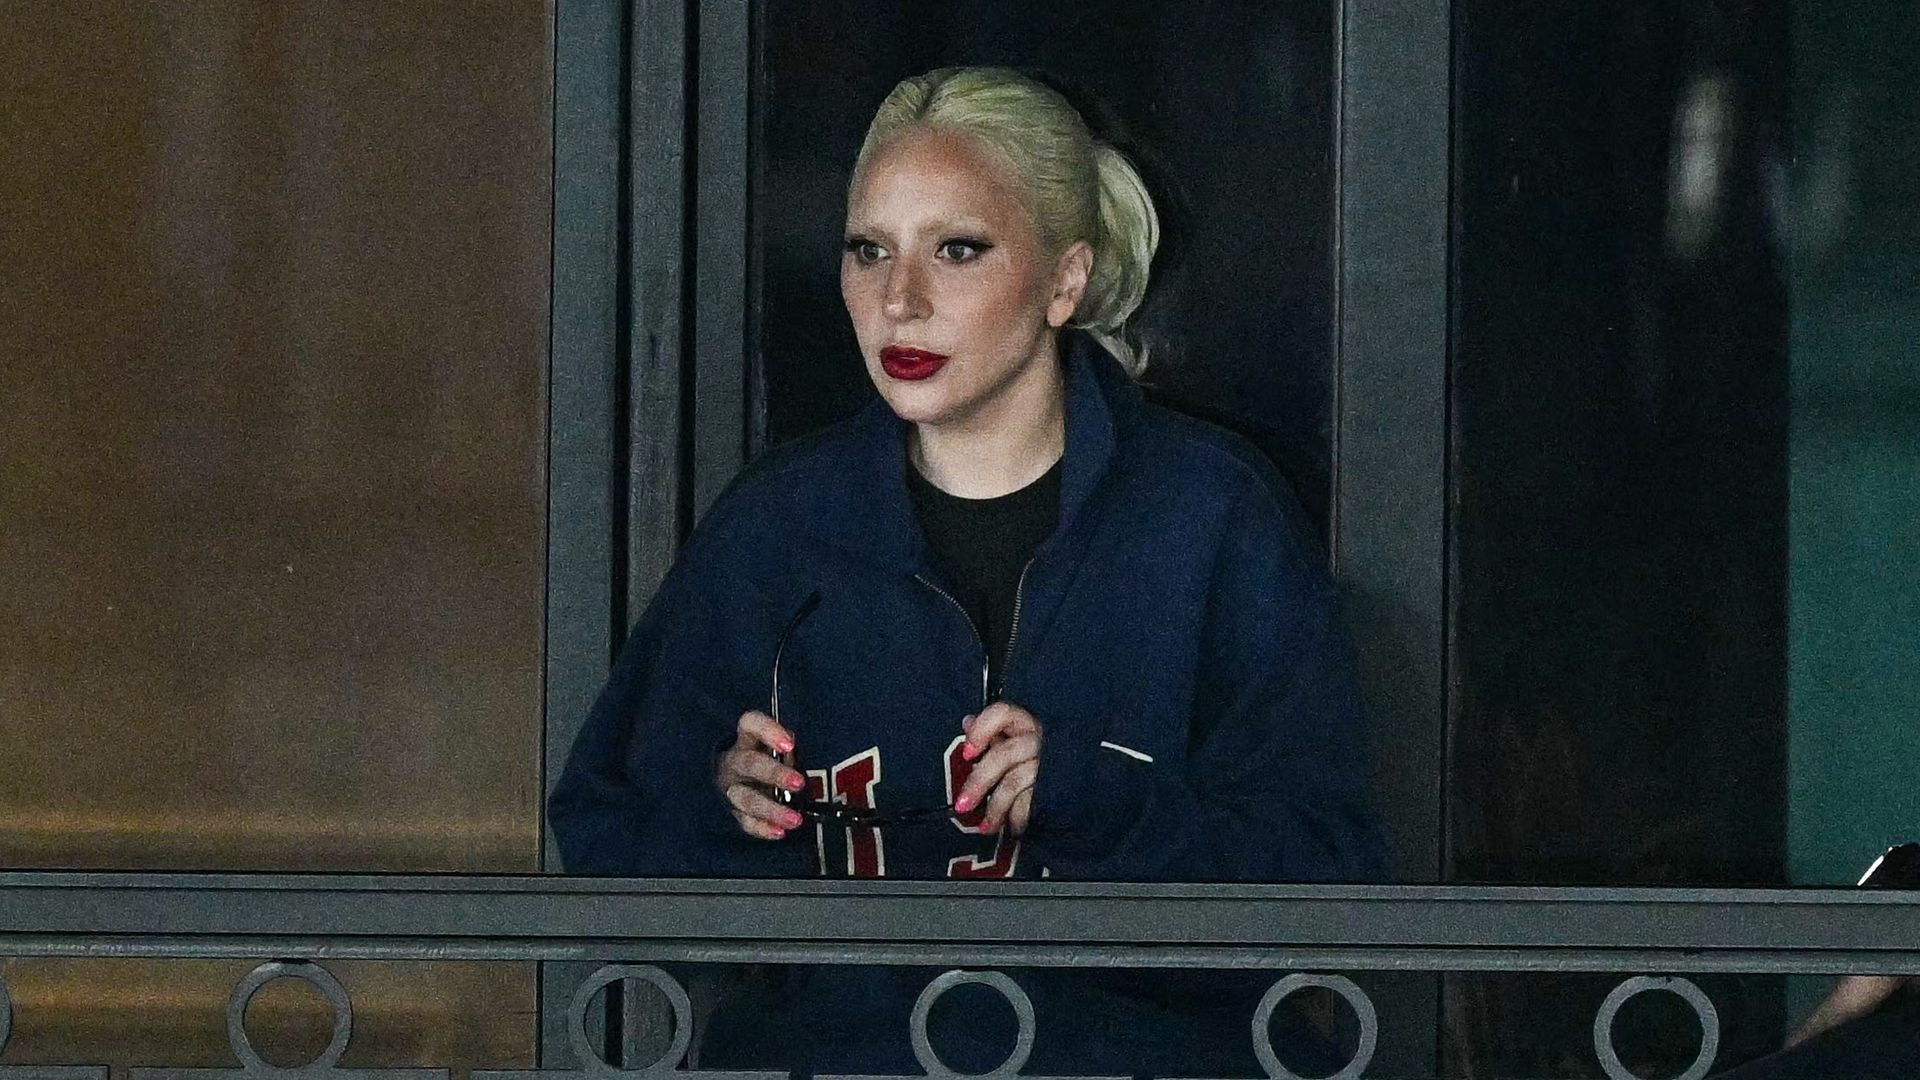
point(1077, 187)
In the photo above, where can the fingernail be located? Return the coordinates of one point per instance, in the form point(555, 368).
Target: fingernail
point(794, 783)
point(969, 751)
point(779, 833)
point(964, 803)
point(785, 745)
point(792, 819)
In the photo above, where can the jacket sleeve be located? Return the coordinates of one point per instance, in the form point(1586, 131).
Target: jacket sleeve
point(1274, 785)
point(637, 796)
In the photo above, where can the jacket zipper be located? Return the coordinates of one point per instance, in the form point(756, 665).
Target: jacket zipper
point(984, 698)
point(1013, 631)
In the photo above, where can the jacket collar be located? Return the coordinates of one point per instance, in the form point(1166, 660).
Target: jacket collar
point(868, 510)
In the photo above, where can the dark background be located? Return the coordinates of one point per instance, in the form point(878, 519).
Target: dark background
point(1618, 667)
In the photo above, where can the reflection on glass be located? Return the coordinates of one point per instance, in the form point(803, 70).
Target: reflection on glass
point(1855, 526)
point(1687, 438)
point(1854, 232)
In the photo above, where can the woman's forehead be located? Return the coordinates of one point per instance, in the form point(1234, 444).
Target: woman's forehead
point(930, 179)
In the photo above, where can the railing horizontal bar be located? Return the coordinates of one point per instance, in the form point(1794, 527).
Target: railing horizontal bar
point(791, 887)
point(550, 909)
point(962, 954)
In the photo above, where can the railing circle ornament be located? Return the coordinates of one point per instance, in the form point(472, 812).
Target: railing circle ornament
point(329, 988)
point(1640, 984)
point(1339, 984)
point(590, 1060)
point(1016, 997)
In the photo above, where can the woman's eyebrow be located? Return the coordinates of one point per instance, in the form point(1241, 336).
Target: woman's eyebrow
point(943, 228)
point(968, 226)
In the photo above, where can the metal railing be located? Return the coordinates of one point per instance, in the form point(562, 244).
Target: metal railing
point(1303, 934)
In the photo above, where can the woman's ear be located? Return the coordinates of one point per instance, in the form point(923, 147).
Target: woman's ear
point(1069, 282)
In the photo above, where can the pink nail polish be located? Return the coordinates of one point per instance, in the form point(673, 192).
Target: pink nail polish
point(963, 804)
point(793, 820)
point(969, 751)
point(794, 783)
point(785, 745)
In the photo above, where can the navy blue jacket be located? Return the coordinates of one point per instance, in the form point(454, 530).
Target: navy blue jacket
point(1176, 637)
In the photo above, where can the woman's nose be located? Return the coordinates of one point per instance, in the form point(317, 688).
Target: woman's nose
point(906, 292)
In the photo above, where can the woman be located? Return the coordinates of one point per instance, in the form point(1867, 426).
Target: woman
point(1015, 622)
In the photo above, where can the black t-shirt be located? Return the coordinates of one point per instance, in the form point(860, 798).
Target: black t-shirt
point(982, 545)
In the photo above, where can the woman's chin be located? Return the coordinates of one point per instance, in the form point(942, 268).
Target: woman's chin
point(916, 402)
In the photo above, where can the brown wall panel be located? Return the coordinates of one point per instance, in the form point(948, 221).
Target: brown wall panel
point(274, 434)
point(273, 349)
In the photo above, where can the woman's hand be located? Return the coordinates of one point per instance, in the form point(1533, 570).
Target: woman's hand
point(748, 772)
point(1852, 998)
point(1003, 742)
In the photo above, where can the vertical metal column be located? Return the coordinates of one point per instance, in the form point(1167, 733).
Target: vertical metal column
point(715, 373)
point(656, 260)
point(586, 469)
point(659, 45)
point(723, 226)
point(1390, 470)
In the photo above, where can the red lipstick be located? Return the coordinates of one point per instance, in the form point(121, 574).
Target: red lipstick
point(901, 362)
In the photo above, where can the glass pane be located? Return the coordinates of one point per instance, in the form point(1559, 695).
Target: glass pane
point(1854, 688)
point(272, 426)
point(274, 431)
point(1685, 390)
point(1688, 465)
point(1620, 447)
point(1854, 530)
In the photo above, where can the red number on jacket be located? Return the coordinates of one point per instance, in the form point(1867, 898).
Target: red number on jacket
point(1006, 847)
point(853, 782)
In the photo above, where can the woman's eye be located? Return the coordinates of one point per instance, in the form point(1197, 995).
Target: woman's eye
point(963, 250)
point(864, 252)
